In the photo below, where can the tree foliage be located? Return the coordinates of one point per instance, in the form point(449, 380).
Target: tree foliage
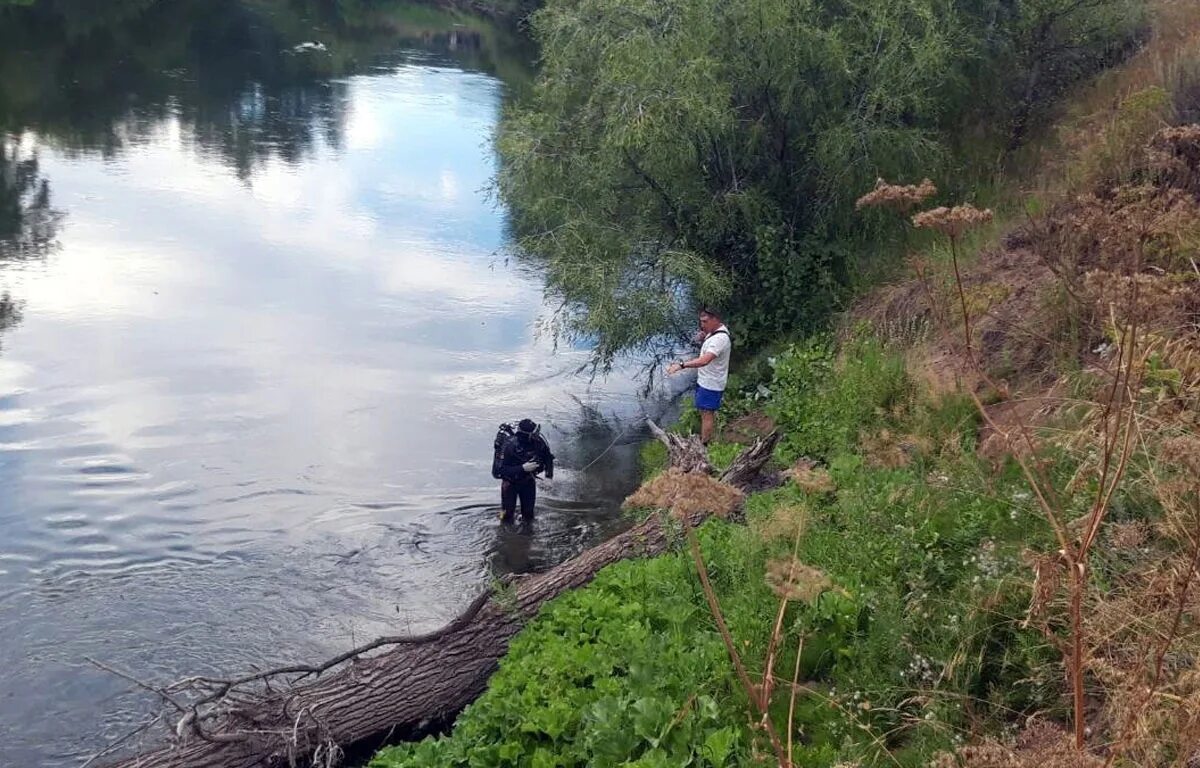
point(677, 151)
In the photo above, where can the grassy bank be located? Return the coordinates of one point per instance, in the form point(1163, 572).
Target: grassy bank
point(986, 546)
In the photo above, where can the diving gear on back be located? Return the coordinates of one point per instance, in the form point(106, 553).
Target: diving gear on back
point(502, 435)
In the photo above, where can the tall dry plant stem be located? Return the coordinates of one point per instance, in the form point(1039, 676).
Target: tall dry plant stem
point(962, 297)
point(777, 631)
point(1118, 425)
point(756, 700)
point(792, 694)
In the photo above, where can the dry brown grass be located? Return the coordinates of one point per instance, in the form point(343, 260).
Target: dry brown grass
point(1097, 145)
point(1118, 288)
point(1058, 288)
point(891, 450)
point(1124, 256)
point(1094, 134)
point(1040, 745)
point(1146, 651)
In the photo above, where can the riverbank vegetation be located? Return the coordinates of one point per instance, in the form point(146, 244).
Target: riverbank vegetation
point(985, 545)
point(700, 150)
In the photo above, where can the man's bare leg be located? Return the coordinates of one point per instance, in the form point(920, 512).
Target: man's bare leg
point(706, 425)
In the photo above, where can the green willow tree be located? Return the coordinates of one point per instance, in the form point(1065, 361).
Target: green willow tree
point(677, 151)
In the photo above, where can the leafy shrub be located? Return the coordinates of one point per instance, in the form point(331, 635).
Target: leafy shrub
point(821, 401)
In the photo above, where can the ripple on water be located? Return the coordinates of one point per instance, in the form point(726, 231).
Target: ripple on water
point(264, 494)
point(65, 521)
point(172, 490)
point(73, 546)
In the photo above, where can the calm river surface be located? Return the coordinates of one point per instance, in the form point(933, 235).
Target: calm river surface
point(257, 328)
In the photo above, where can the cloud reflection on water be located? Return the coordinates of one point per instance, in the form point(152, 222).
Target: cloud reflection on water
point(227, 378)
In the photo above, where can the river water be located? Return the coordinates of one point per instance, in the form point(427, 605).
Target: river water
point(258, 324)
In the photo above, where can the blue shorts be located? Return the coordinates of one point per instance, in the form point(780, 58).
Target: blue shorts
point(708, 399)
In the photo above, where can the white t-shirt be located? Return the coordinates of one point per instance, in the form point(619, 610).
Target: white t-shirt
point(715, 375)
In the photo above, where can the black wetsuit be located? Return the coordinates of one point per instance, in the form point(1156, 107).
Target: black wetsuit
point(517, 483)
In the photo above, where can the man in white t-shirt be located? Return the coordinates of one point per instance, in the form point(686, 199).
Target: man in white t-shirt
point(713, 369)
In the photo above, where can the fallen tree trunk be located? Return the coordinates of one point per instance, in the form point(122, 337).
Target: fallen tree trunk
point(421, 680)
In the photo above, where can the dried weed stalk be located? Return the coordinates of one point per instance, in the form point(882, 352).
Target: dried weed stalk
point(1124, 257)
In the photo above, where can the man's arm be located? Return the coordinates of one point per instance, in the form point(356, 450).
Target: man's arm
point(696, 362)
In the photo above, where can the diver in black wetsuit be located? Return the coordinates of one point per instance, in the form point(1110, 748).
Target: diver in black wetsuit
point(523, 457)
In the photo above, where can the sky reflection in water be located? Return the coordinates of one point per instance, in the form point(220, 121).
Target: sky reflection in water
point(246, 412)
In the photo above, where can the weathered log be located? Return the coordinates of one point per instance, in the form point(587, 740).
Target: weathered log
point(747, 467)
point(684, 452)
point(405, 688)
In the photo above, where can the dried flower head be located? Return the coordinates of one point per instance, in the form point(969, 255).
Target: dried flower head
point(684, 493)
point(793, 580)
point(952, 221)
point(1048, 578)
point(899, 197)
point(786, 521)
point(806, 474)
point(1174, 155)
